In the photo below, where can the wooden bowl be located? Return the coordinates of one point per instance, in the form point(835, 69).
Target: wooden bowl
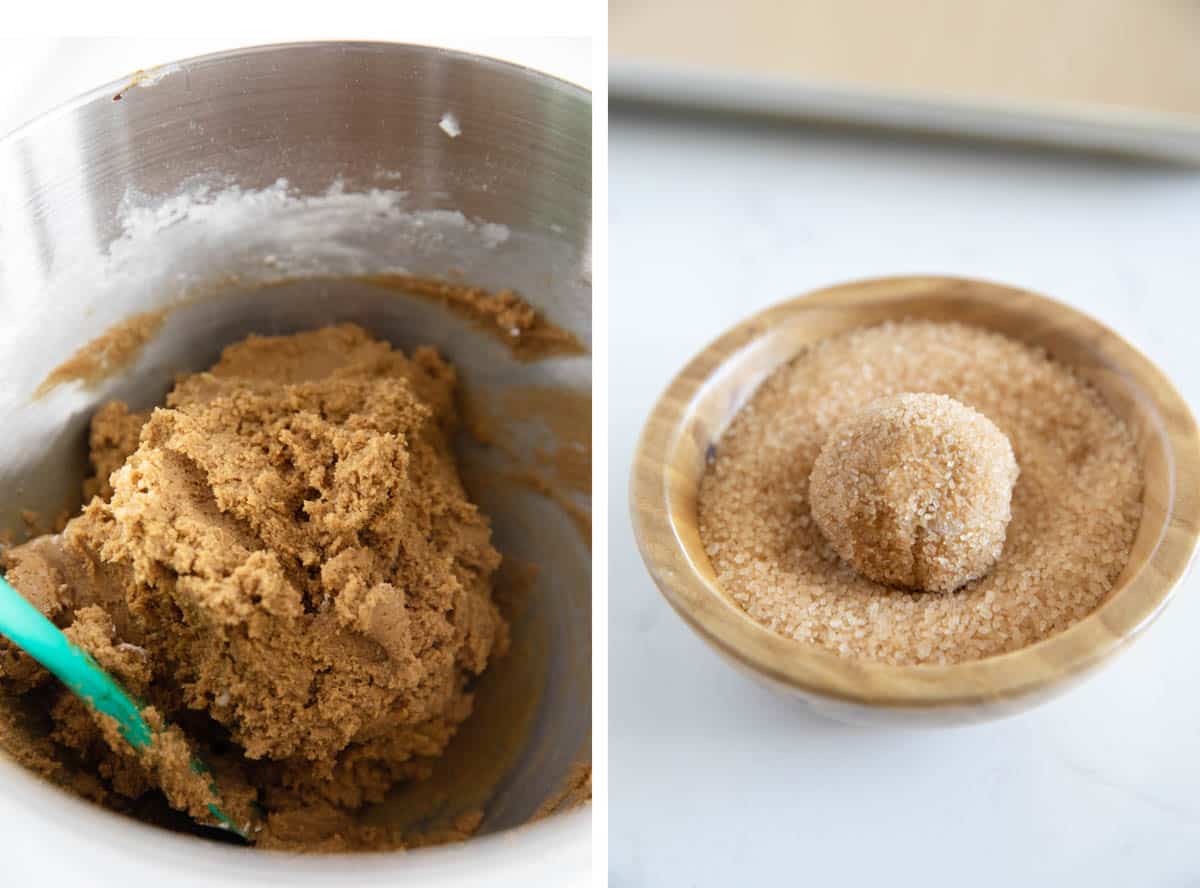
point(700, 402)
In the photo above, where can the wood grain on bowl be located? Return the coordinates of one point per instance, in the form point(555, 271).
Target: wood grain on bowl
point(684, 427)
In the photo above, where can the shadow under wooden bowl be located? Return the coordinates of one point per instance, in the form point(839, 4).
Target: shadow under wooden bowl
point(700, 402)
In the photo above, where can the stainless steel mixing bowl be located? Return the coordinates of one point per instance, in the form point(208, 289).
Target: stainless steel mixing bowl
point(194, 185)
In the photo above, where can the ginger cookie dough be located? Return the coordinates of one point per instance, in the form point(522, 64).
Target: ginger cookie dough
point(915, 491)
point(283, 563)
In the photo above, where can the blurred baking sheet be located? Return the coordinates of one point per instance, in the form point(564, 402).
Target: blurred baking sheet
point(1117, 75)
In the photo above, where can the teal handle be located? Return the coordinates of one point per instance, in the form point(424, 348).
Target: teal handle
point(26, 627)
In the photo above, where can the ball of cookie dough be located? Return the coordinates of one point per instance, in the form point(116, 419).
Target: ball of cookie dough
point(915, 490)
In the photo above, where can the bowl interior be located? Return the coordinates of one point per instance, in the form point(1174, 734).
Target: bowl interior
point(707, 394)
point(254, 192)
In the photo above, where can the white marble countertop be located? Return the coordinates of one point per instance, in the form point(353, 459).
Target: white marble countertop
point(715, 780)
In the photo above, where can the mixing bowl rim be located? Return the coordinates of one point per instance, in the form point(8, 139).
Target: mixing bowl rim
point(120, 85)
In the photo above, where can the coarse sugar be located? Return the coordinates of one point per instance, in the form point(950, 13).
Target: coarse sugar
point(1075, 507)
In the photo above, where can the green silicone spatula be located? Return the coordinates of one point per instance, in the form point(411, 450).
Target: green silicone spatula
point(28, 628)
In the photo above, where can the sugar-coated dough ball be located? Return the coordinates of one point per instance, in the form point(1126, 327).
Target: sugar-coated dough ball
point(915, 490)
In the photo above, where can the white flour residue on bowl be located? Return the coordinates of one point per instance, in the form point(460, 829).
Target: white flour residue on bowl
point(145, 77)
point(492, 234)
point(449, 125)
point(337, 231)
point(211, 234)
point(151, 76)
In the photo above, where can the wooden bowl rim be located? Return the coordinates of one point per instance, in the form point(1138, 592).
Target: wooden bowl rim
point(1129, 609)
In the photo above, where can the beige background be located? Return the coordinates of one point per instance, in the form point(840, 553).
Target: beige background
point(1140, 54)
